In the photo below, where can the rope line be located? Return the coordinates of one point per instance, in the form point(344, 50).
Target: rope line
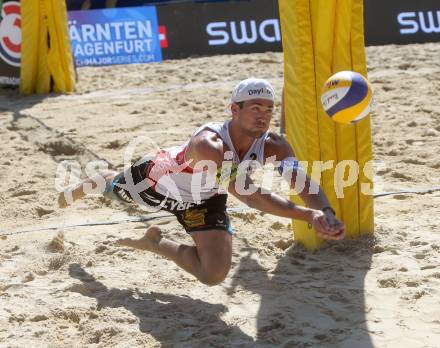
point(420, 191)
point(144, 218)
point(154, 216)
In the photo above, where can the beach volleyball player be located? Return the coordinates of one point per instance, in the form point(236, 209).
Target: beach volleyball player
point(192, 182)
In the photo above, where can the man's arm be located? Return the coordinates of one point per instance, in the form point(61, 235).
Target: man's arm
point(313, 200)
point(312, 194)
point(274, 204)
point(207, 146)
point(269, 202)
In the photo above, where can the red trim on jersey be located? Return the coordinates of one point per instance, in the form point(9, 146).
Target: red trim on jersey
point(11, 8)
point(180, 159)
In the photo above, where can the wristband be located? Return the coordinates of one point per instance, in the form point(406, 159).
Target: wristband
point(328, 208)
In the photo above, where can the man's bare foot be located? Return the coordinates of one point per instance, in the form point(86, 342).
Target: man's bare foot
point(71, 194)
point(148, 242)
point(68, 196)
point(62, 202)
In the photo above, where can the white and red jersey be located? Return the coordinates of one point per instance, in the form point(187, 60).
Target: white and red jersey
point(171, 176)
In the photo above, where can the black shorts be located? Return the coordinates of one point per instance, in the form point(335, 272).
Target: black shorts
point(207, 214)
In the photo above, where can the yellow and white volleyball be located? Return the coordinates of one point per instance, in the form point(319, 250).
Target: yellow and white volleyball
point(347, 97)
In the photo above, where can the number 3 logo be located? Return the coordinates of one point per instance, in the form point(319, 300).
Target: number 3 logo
point(10, 33)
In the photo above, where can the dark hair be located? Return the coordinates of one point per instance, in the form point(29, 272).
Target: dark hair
point(240, 104)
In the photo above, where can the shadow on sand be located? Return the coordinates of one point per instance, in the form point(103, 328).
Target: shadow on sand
point(175, 321)
point(307, 300)
point(310, 299)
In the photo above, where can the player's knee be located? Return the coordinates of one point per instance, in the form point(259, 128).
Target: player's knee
point(212, 280)
point(214, 275)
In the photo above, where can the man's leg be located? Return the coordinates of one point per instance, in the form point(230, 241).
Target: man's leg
point(209, 260)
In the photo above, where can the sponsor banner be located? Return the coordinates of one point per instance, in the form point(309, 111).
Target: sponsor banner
point(115, 36)
point(10, 42)
point(189, 29)
point(178, 30)
point(402, 21)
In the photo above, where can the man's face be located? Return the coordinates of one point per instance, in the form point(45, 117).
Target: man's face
point(254, 117)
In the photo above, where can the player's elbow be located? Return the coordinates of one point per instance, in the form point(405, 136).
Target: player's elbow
point(250, 201)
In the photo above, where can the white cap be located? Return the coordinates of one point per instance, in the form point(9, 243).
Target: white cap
point(252, 89)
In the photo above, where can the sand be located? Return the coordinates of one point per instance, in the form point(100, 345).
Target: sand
point(71, 287)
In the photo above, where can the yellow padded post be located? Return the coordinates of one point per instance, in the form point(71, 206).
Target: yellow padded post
point(320, 38)
point(323, 32)
point(299, 94)
point(46, 52)
point(33, 71)
point(59, 60)
point(364, 143)
point(42, 85)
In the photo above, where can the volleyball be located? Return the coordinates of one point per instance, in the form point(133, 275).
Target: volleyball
point(346, 97)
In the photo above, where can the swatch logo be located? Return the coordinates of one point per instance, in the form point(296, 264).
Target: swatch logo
point(243, 32)
point(412, 22)
point(10, 33)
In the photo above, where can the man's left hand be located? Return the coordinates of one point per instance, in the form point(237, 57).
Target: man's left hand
point(327, 226)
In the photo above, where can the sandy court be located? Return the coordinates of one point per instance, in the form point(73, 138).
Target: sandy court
point(71, 287)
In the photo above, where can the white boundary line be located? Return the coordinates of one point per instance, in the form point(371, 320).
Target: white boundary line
point(129, 92)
